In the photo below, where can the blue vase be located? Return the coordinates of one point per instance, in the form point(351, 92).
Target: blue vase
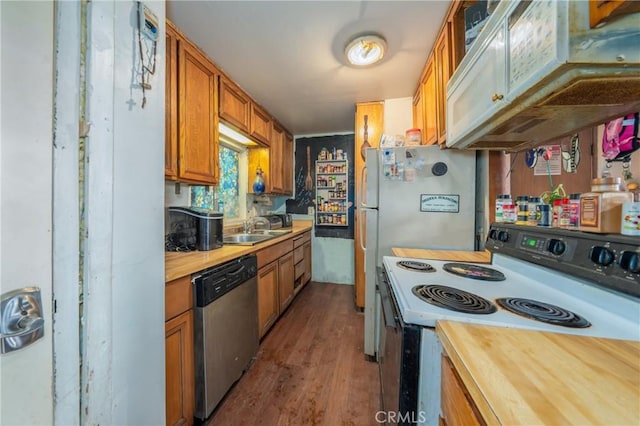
point(258, 183)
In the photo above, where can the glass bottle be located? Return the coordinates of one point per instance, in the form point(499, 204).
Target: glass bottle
point(258, 183)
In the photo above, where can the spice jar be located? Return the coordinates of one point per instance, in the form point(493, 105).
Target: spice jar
point(522, 203)
point(534, 211)
point(509, 213)
point(601, 209)
point(501, 200)
point(565, 214)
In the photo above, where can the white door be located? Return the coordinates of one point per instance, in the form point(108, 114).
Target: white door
point(26, 75)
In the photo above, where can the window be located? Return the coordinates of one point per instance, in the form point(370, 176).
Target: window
point(229, 186)
point(233, 168)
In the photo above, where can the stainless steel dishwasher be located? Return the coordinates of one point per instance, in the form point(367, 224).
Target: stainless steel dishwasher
point(225, 330)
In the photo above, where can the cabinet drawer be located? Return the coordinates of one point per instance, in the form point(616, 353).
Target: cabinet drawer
point(275, 252)
point(178, 297)
point(301, 239)
point(298, 254)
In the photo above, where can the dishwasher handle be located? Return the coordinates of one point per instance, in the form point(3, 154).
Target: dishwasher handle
point(213, 283)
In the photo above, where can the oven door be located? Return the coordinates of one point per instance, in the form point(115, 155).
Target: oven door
point(398, 359)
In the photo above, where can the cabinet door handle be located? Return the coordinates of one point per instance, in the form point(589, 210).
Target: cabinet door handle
point(497, 97)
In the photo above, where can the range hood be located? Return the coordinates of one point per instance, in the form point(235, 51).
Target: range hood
point(539, 72)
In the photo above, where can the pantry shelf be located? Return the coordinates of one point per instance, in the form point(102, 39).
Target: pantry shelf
point(332, 183)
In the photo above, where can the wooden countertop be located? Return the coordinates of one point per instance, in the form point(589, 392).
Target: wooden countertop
point(177, 265)
point(539, 378)
point(453, 255)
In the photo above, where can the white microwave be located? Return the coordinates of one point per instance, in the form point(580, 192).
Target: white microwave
point(538, 72)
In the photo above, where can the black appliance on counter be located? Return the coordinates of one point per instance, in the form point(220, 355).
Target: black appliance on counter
point(286, 219)
point(193, 228)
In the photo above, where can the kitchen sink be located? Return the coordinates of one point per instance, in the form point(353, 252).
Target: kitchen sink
point(246, 239)
point(255, 237)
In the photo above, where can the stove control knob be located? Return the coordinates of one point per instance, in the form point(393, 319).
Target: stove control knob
point(601, 255)
point(556, 247)
point(630, 261)
point(503, 236)
point(493, 234)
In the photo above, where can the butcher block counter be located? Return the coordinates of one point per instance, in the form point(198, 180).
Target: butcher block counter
point(452, 255)
point(538, 378)
point(178, 264)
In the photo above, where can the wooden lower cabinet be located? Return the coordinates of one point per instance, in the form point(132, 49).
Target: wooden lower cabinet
point(179, 369)
point(285, 281)
point(307, 262)
point(457, 406)
point(279, 277)
point(267, 297)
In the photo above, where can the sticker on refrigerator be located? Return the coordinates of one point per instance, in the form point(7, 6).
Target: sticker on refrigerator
point(440, 203)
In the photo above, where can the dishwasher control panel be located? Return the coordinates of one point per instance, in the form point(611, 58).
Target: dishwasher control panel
point(213, 283)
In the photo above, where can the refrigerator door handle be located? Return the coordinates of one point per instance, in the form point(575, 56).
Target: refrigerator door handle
point(361, 213)
point(363, 174)
point(363, 181)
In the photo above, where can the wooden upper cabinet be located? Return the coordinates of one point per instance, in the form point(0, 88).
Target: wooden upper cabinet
point(235, 105)
point(198, 116)
point(601, 11)
point(260, 125)
point(430, 105)
point(287, 154)
point(276, 158)
point(171, 104)
point(443, 73)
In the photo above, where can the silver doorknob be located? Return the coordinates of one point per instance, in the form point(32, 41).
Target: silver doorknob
point(22, 322)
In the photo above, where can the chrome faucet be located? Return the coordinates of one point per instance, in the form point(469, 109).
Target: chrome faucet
point(250, 226)
point(259, 222)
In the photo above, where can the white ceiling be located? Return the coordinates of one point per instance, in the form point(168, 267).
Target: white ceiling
point(288, 55)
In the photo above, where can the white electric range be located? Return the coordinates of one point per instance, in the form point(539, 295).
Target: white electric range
point(540, 279)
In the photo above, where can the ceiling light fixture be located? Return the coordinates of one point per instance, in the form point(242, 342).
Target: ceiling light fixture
point(365, 50)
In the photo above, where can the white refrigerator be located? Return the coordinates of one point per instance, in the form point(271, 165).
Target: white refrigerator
point(412, 197)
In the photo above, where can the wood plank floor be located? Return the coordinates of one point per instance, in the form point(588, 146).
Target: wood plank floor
point(310, 369)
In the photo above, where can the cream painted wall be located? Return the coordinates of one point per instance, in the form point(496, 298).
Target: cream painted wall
point(123, 336)
point(398, 116)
